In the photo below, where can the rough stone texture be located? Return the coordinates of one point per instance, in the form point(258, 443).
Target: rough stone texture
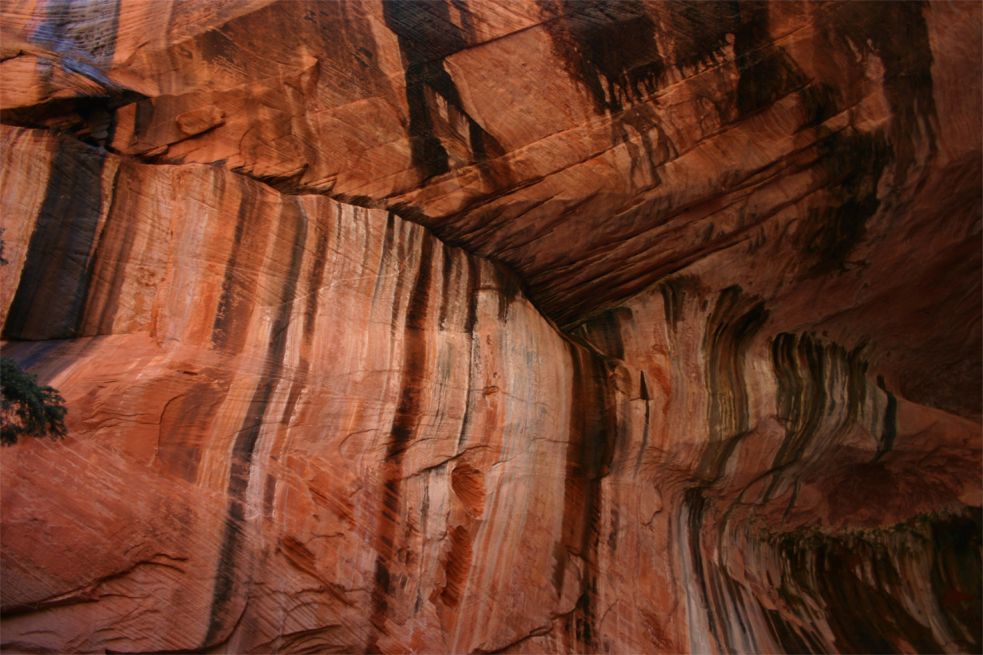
point(468, 326)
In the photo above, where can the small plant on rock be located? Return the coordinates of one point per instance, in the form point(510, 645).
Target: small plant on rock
point(27, 408)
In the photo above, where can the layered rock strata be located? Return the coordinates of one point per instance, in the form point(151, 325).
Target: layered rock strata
point(494, 327)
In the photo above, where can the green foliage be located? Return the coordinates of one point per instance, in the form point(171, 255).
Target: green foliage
point(26, 408)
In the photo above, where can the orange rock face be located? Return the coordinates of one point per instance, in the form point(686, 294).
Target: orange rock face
point(470, 326)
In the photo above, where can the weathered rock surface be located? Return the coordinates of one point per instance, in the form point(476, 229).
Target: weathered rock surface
point(468, 326)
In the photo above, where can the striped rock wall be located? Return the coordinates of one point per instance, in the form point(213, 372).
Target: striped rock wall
point(468, 326)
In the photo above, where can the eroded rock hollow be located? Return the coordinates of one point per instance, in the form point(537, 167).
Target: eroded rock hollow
point(539, 326)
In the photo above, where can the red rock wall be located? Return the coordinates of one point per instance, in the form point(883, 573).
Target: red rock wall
point(335, 429)
point(469, 326)
point(806, 500)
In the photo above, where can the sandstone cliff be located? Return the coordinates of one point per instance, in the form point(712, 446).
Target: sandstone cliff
point(472, 326)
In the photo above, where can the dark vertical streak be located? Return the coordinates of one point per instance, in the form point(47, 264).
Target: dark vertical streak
point(474, 283)
point(311, 294)
point(890, 421)
point(897, 33)
point(694, 505)
point(863, 613)
point(788, 635)
point(674, 297)
point(143, 118)
point(767, 73)
point(604, 331)
point(807, 375)
point(314, 283)
point(249, 431)
point(445, 297)
point(401, 248)
point(387, 244)
point(467, 19)
point(508, 288)
point(731, 328)
point(802, 398)
point(54, 282)
point(117, 234)
point(426, 35)
point(404, 424)
point(426, 151)
point(852, 165)
point(644, 393)
point(607, 47)
point(593, 433)
point(224, 315)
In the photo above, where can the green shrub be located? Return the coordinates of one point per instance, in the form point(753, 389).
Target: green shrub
point(27, 408)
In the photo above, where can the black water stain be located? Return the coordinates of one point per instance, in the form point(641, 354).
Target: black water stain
point(474, 284)
point(731, 328)
point(860, 578)
point(426, 36)
point(414, 355)
point(384, 253)
point(851, 165)
point(54, 282)
point(143, 117)
point(413, 380)
point(592, 441)
point(228, 323)
point(766, 71)
point(249, 431)
point(109, 259)
point(863, 612)
point(643, 121)
point(809, 373)
point(604, 331)
point(788, 634)
point(301, 372)
point(693, 509)
point(957, 575)
point(446, 277)
point(897, 33)
point(820, 101)
point(314, 282)
point(674, 291)
point(509, 287)
point(890, 429)
point(645, 397)
point(466, 18)
point(700, 30)
point(609, 48)
point(734, 322)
